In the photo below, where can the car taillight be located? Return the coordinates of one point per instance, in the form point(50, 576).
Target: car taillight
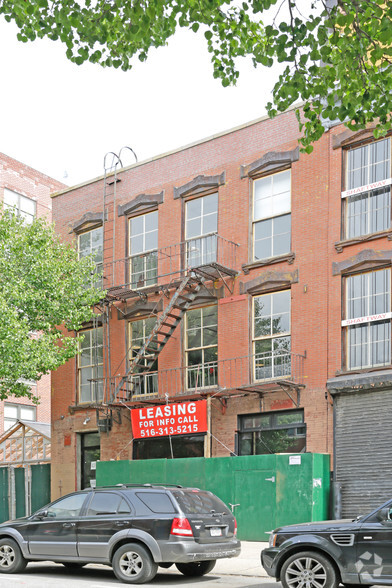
point(235, 527)
point(181, 526)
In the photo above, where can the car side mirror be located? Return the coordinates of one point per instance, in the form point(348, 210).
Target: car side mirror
point(383, 515)
point(41, 514)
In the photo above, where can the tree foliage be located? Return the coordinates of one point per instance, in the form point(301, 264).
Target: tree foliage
point(43, 284)
point(337, 53)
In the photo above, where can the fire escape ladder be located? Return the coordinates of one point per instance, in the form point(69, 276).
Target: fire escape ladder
point(164, 328)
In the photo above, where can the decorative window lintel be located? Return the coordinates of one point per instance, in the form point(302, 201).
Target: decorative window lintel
point(90, 220)
point(269, 282)
point(199, 184)
point(272, 161)
point(365, 260)
point(141, 203)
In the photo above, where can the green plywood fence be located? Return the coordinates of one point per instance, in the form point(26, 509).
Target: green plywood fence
point(269, 490)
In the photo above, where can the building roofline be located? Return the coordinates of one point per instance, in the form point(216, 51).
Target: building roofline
point(176, 150)
point(33, 170)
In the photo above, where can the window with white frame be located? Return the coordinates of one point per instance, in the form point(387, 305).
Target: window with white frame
point(367, 197)
point(14, 412)
point(91, 243)
point(201, 347)
point(21, 205)
point(367, 322)
point(143, 245)
point(271, 335)
point(201, 225)
point(90, 365)
point(142, 383)
point(272, 215)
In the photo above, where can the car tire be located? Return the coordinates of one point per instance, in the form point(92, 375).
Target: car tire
point(196, 568)
point(308, 568)
point(11, 558)
point(133, 564)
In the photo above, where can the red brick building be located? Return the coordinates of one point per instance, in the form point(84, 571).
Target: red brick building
point(263, 278)
point(27, 191)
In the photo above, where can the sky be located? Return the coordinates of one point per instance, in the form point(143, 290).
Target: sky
point(62, 119)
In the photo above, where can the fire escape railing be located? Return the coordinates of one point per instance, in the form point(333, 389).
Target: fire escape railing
point(161, 266)
point(252, 372)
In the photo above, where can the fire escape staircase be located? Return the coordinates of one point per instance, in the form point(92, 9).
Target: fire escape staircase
point(167, 323)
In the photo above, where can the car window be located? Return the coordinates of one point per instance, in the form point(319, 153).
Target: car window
point(157, 502)
point(124, 507)
point(67, 507)
point(199, 502)
point(104, 503)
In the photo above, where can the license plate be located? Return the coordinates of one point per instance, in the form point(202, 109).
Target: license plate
point(216, 532)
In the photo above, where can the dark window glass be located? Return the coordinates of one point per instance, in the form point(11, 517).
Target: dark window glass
point(157, 501)
point(275, 432)
point(124, 508)
point(104, 503)
point(162, 447)
point(199, 502)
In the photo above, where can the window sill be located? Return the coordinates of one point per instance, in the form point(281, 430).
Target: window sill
point(340, 245)
point(83, 406)
point(363, 371)
point(289, 257)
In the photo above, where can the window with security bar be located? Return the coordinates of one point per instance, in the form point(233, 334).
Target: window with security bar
point(201, 344)
point(90, 365)
point(143, 250)
point(272, 432)
point(367, 323)
point(21, 205)
point(91, 243)
point(140, 382)
point(201, 226)
point(367, 197)
point(271, 335)
point(272, 215)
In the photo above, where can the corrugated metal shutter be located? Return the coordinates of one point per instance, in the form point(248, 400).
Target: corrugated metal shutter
point(363, 450)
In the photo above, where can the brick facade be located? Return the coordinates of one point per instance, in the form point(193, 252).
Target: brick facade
point(238, 156)
point(30, 183)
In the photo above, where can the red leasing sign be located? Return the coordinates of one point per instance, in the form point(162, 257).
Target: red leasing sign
point(169, 419)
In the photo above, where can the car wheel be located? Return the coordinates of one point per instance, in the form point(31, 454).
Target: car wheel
point(196, 568)
point(133, 564)
point(11, 558)
point(309, 569)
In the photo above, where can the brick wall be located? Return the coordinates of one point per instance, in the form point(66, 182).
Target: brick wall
point(315, 292)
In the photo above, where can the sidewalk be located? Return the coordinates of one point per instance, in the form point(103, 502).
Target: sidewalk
point(247, 564)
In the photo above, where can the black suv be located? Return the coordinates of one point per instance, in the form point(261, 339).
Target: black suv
point(320, 555)
point(133, 528)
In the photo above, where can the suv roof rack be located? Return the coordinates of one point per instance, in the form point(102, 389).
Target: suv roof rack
point(147, 485)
